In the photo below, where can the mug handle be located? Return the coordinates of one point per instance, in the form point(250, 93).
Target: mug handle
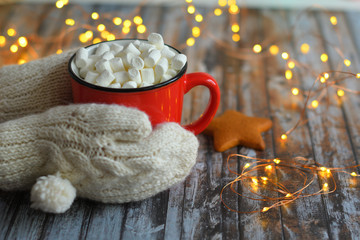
point(203, 79)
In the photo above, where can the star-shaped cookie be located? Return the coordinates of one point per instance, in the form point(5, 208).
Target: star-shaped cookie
point(234, 128)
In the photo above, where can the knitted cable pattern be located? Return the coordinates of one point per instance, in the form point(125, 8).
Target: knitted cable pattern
point(109, 153)
point(34, 87)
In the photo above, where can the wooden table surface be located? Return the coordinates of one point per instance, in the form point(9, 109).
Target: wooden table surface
point(254, 85)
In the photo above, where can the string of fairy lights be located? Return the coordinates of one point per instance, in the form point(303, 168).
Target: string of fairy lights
point(258, 175)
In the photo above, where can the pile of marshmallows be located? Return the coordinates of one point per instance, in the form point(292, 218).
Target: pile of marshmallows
point(137, 64)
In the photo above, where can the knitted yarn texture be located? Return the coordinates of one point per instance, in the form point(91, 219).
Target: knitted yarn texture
point(108, 153)
point(35, 86)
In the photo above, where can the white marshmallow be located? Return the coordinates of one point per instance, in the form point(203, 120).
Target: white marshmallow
point(144, 46)
point(137, 43)
point(168, 53)
point(121, 77)
point(115, 85)
point(161, 67)
point(178, 62)
point(134, 75)
point(152, 58)
point(107, 55)
point(156, 40)
point(144, 84)
point(147, 75)
point(172, 72)
point(116, 64)
point(102, 65)
point(101, 49)
point(116, 48)
point(127, 59)
point(168, 75)
point(137, 63)
point(81, 58)
point(91, 77)
point(130, 48)
point(105, 78)
point(130, 84)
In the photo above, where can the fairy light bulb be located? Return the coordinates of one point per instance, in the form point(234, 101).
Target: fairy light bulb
point(255, 181)
point(95, 15)
point(324, 57)
point(199, 18)
point(191, 9)
point(127, 23)
point(268, 167)
point(96, 40)
point(326, 75)
point(196, 31)
point(322, 79)
point(14, 48)
point(285, 55)
point(315, 104)
point(59, 51)
point(125, 30)
point(236, 37)
point(101, 27)
point(283, 137)
point(295, 91)
point(21, 61)
point(235, 28)
point(257, 48)
point(333, 20)
point(141, 28)
point(110, 37)
point(323, 169)
point(2, 41)
point(11, 32)
point(138, 20)
point(190, 41)
point(328, 171)
point(23, 42)
point(217, 11)
point(188, 1)
point(104, 34)
point(70, 22)
point(274, 49)
point(353, 174)
point(83, 38)
point(117, 21)
point(288, 74)
point(276, 160)
point(265, 209)
point(347, 62)
point(305, 48)
point(247, 165)
point(59, 4)
point(264, 178)
point(222, 3)
point(340, 92)
point(89, 34)
point(233, 9)
point(358, 75)
point(325, 186)
point(291, 64)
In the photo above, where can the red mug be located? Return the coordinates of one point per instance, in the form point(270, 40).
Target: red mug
point(162, 102)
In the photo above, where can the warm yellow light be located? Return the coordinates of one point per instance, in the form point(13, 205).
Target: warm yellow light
point(117, 21)
point(322, 79)
point(236, 37)
point(95, 15)
point(315, 104)
point(288, 74)
point(325, 186)
point(70, 22)
point(326, 75)
point(66, 2)
point(141, 28)
point(257, 48)
point(110, 37)
point(83, 38)
point(285, 55)
point(21, 61)
point(104, 34)
point(190, 41)
point(324, 57)
point(96, 40)
point(188, 1)
point(191, 9)
point(276, 160)
point(14, 48)
point(233, 9)
point(127, 23)
point(217, 11)
point(291, 64)
point(2, 41)
point(265, 209)
point(328, 171)
point(126, 30)
point(222, 3)
point(199, 18)
point(295, 91)
point(59, 4)
point(22, 41)
point(11, 32)
point(59, 51)
point(247, 165)
point(340, 92)
point(358, 75)
point(333, 20)
point(353, 174)
point(283, 137)
point(138, 20)
point(235, 28)
point(323, 169)
point(304, 48)
point(196, 31)
point(89, 34)
point(268, 167)
point(254, 180)
point(288, 195)
point(264, 178)
point(101, 27)
point(274, 49)
point(347, 62)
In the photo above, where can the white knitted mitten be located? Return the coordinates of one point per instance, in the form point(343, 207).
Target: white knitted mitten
point(34, 87)
point(108, 153)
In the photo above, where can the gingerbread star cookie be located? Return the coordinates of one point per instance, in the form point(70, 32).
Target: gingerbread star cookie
point(234, 128)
